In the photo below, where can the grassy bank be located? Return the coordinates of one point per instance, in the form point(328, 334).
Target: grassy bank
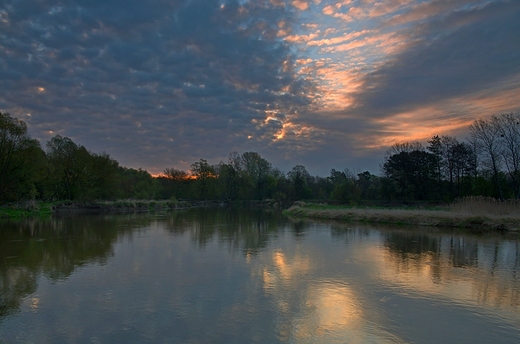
point(35, 208)
point(127, 205)
point(25, 209)
point(474, 213)
point(39, 209)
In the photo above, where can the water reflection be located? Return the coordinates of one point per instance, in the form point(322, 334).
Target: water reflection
point(54, 248)
point(480, 270)
point(250, 275)
point(248, 229)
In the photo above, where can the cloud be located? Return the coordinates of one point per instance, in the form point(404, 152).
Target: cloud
point(320, 83)
point(448, 60)
point(429, 9)
point(382, 8)
point(302, 5)
point(434, 76)
point(337, 40)
point(152, 83)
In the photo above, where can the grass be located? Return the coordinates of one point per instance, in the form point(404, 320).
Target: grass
point(26, 209)
point(122, 205)
point(41, 209)
point(489, 207)
point(478, 213)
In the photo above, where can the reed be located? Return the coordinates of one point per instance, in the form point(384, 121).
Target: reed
point(486, 206)
point(472, 213)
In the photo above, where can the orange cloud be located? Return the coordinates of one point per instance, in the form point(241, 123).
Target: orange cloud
point(371, 41)
point(451, 117)
point(277, 2)
point(340, 39)
point(302, 38)
point(304, 61)
point(300, 4)
point(328, 10)
point(416, 125)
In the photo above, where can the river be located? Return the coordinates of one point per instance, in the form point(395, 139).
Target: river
point(225, 275)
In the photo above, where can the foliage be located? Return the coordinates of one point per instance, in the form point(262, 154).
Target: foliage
point(204, 175)
point(487, 164)
point(78, 174)
point(412, 174)
point(299, 178)
point(345, 187)
point(135, 184)
point(20, 160)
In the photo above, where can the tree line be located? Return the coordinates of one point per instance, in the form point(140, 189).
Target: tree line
point(485, 164)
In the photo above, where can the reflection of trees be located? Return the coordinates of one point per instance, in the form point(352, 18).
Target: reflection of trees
point(299, 227)
point(493, 261)
point(463, 252)
point(247, 229)
point(54, 247)
point(351, 233)
point(15, 284)
point(411, 244)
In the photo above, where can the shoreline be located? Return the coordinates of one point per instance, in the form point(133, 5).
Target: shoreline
point(411, 217)
point(41, 209)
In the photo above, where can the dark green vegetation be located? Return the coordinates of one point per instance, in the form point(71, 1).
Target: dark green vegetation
point(488, 165)
point(24, 209)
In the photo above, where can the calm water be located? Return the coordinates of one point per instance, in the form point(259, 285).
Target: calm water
point(245, 276)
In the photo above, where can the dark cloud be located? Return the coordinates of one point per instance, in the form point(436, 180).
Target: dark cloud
point(184, 79)
point(163, 83)
point(457, 54)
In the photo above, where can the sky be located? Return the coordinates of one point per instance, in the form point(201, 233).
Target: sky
point(321, 83)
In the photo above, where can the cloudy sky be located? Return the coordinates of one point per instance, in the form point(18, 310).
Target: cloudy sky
point(323, 83)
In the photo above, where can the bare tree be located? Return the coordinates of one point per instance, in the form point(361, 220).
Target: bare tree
point(508, 127)
point(175, 174)
point(487, 140)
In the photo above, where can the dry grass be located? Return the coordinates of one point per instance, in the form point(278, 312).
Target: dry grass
point(486, 206)
point(473, 213)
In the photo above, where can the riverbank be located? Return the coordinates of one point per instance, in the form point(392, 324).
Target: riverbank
point(38, 209)
point(484, 216)
point(42, 209)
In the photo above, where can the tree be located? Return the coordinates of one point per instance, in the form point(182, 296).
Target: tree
point(20, 158)
point(406, 147)
point(229, 181)
point(463, 165)
point(136, 184)
point(437, 150)
point(368, 185)
point(508, 127)
point(100, 173)
point(486, 137)
point(175, 174)
point(203, 172)
point(345, 188)
point(254, 173)
point(175, 183)
point(299, 176)
point(78, 174)
point(445, 150)
point(67, 160)
point(413, 174)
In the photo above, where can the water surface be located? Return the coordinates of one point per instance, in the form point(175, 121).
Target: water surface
point(244, 276)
